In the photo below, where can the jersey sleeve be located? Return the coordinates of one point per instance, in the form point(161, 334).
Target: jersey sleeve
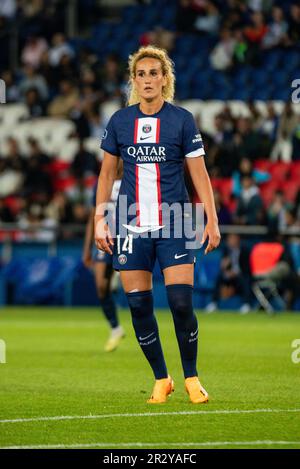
point(191, 139)
point(109, 140)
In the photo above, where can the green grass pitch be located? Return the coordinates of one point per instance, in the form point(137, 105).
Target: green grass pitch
point(55, 367)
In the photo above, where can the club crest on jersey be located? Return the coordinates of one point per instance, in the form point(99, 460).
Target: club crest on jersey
point(122, 259)
point(147, 128)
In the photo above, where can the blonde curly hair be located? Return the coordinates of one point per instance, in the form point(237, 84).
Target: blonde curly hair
point(167, 66)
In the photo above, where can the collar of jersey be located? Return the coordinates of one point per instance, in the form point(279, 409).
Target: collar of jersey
point(151, 115)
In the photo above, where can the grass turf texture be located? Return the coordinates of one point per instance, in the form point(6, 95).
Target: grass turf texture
point(56, 367)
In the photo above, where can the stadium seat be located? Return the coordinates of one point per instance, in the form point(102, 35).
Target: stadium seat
point(290, 189)
point(295, 171)
point(279, 171)
point(263, 258)
point(263, 165)
point(267, 191)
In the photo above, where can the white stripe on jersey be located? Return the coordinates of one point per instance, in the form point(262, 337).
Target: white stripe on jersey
point(195, 153)
point(148, 194)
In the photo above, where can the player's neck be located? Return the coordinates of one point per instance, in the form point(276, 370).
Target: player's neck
point(151, 107)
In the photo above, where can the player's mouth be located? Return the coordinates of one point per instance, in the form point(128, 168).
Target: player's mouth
point(148, 88)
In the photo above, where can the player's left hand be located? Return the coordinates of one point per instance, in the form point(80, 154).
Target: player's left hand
point(211, 232)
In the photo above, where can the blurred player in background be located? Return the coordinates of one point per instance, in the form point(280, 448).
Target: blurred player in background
point(101, 264)
point(154, 138)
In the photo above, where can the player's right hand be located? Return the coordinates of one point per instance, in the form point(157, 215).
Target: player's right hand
point(103, 237)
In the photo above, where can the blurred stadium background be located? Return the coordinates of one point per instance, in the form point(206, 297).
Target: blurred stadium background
point(64, 67)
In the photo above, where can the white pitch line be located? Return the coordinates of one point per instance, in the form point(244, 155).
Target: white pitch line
point(165, 444)
point(145, 414)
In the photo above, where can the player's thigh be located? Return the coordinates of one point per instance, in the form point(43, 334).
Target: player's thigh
point(137, 280)
point(103, 273)
point(179, 274)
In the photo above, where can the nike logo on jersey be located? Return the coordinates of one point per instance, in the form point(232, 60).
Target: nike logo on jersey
point(147, 336)
point(179, 256)
point(144, 138)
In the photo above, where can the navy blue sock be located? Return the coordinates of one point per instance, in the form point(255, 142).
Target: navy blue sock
point(146, 330)
point(109, 309)
point(180, 298)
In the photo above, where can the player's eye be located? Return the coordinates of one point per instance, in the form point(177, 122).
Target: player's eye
point(154, 73)
point(140, 74)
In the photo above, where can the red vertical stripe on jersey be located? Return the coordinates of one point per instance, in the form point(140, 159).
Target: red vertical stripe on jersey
point(137, 195)
point(158, 193)
point(136, 124)
point(157, 131)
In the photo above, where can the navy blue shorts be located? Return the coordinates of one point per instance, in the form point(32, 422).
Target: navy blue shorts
point(134, 252)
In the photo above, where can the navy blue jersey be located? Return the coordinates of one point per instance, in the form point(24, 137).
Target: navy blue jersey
point(153, 149)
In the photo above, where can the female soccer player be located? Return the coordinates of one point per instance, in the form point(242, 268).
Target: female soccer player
point(153, 137)
point(101, 264)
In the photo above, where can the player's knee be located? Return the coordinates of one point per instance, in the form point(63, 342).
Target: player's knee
point(102, 291)
point(140, 303)
point(180, 301)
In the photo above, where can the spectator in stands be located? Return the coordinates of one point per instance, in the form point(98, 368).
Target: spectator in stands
point(296, 142)
point(240, 51)
point(210, 20)
point(10, 179)
point(268, 125)
point(255, 34)
point(221, 56)
point(277, 30)
point(223, 212)
point(85, 163)
point(37, 179)
point(48, 72)
point(65, 101)
point(111, 77)
point(294, 24)
point(37, 227)
point(246, 140)
point(257, 30)
point(234, 277)
point(79, 193)
point(8, 8)
point(59, 48)
point(277, 212)
point(66, 69)
point(6, 215)
point(31, 80)
point(287, 123)
point(95, 122)
point(246, 169)
point(14, 159)
point(249, 209)
point(35, 105)
point(220, 153)
point(36, 152)
point(33, 51)
point(60, 209)
point(11, 88)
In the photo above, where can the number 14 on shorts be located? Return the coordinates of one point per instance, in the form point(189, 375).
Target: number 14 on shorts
point(126, 245)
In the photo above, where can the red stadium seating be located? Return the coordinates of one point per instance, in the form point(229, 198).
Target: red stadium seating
point(263, 165)
point(267, 191)
point(295, 171)
point(290, 189)
point(279, 171)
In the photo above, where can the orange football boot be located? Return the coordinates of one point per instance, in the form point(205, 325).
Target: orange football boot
point(162, 389)
point(197, 393)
